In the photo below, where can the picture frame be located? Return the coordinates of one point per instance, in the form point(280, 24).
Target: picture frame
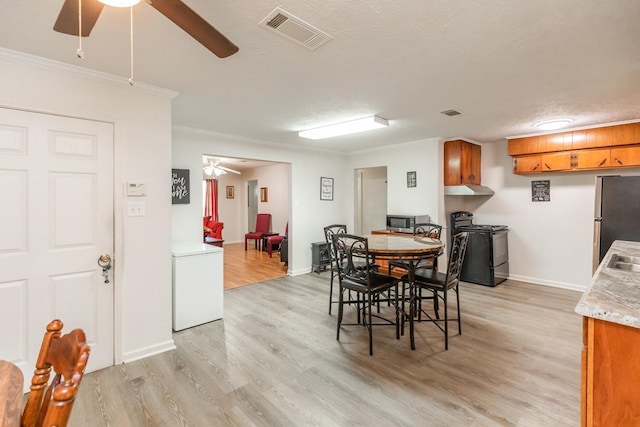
point(180, 194)
point(326, 188)
point(412, 179)
point(264, 194)
point(230, 192)
point(541, 191)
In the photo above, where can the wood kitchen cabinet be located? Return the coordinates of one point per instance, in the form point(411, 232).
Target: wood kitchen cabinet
point(610, 374)
point(579, 143)
point(625, 156)
point(527, 164)
point(556, 161)
point(461, 163)
point(592, 159)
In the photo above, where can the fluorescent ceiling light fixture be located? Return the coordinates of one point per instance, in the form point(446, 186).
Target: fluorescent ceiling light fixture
point(553, 124)
point(120, 3)
point(345, 128)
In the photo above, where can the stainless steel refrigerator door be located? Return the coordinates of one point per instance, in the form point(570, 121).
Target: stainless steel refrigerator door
point(620, 210)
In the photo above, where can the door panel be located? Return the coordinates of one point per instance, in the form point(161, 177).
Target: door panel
point(57, 176)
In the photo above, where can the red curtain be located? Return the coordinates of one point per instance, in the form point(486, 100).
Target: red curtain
point(211, 199)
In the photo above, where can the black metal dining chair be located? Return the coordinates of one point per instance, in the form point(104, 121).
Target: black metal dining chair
point(329, 231)
point(441, 284)
point(422, 230)
point(366, 282)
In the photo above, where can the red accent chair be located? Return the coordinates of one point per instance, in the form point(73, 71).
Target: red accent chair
point(263, 224)
point(276, 240)
point(212, 228)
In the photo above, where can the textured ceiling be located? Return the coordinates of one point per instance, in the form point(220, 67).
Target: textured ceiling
point(504, 64)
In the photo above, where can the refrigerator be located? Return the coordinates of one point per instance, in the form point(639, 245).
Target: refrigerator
point(617, 213)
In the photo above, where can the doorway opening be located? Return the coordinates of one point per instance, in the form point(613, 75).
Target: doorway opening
point(238, 205)
point(370, 200)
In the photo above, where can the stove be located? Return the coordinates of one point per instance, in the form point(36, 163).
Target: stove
point(486, 261)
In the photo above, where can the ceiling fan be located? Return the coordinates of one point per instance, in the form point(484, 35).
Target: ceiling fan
point(212, 167)
point(175, 10)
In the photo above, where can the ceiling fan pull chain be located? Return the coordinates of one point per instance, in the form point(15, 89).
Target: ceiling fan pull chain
point(131, 81)
point(79, 51)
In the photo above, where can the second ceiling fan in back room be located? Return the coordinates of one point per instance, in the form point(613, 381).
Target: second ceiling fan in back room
point(213, 167)
point(175, 10)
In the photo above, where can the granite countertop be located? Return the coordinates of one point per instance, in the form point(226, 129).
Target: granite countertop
point(614, 295)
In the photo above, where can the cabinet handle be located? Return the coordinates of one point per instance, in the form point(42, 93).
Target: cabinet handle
point(602, 162)
point(618, 161)
point(547, 166)
point(535, 167)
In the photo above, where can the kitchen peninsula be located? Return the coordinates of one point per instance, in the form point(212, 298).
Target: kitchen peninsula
point(611, 339)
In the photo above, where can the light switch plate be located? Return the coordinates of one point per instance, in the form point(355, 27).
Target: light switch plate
point(135, 208)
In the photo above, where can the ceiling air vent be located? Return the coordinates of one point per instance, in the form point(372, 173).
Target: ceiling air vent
point(295, 29)
point(450, 113)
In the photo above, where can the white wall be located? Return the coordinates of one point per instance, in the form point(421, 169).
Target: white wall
point(424, 157)
point(232, 211)
point(142, 118)
point(307, 212)
point(276, 179)
point(549, 242)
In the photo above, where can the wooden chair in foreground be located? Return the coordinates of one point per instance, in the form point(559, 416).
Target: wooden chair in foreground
point(67, 355)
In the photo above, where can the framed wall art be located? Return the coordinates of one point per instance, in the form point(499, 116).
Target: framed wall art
point(264, 194)
point(541, 191)
point(230, 192)
point(180, 187)
point(326, 188)
point(412, 179)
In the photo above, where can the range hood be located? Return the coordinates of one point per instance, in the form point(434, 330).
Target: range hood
point(467, 190)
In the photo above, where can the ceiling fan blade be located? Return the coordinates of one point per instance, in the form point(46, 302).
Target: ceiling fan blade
point(228, 170)
point(67, 21)
point(185, 18)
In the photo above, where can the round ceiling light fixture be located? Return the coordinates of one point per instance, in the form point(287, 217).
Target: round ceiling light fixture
point(553, 124)
point(120, 3)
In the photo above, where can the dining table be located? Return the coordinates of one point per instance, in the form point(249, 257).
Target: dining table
point(409, 250)
point(11, 383)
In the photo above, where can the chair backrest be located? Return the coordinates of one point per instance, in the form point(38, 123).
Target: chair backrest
point(68, 356)
point(263, 222)
point(456, 257)
point(353, 252)
point(329, 231)
point(428, 230)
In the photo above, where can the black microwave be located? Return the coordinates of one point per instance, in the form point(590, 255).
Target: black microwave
point(405, 223)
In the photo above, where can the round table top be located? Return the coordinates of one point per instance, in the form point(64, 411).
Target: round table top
point(11, 383)
point(393, 246)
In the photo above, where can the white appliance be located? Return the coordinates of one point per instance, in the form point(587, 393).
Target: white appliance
point(197, 284)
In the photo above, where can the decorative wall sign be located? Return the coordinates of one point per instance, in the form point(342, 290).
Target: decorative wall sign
point(180, 187)
point(412, 179)
point(326, 188)
point(541, 191)
point(264, 194)
point(230, 192)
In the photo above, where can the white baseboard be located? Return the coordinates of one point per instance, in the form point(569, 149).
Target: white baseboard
point(149, 351)
point(554, 284)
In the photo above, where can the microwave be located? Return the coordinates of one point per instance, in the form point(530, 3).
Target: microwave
point(405, 223)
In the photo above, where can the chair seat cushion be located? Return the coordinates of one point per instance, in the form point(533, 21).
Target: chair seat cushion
point(429, 278)
point(253, 235)
point(275, 239)
point(378, 282)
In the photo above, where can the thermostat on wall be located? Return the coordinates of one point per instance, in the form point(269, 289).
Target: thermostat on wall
point(136, 190)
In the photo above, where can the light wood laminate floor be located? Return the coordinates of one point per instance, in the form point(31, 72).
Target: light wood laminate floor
point(251, 266)
point(274, 361)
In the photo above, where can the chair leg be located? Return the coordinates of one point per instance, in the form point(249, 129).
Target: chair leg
point(458, 304)
point(269, 248)
point(412, 313)
point(446, 320)
point(369, 326)
point(245, 243)
point(331, 290)
point(340, 299)
point(395, 295)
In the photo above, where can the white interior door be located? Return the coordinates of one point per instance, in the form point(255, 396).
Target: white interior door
point(56, 176)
